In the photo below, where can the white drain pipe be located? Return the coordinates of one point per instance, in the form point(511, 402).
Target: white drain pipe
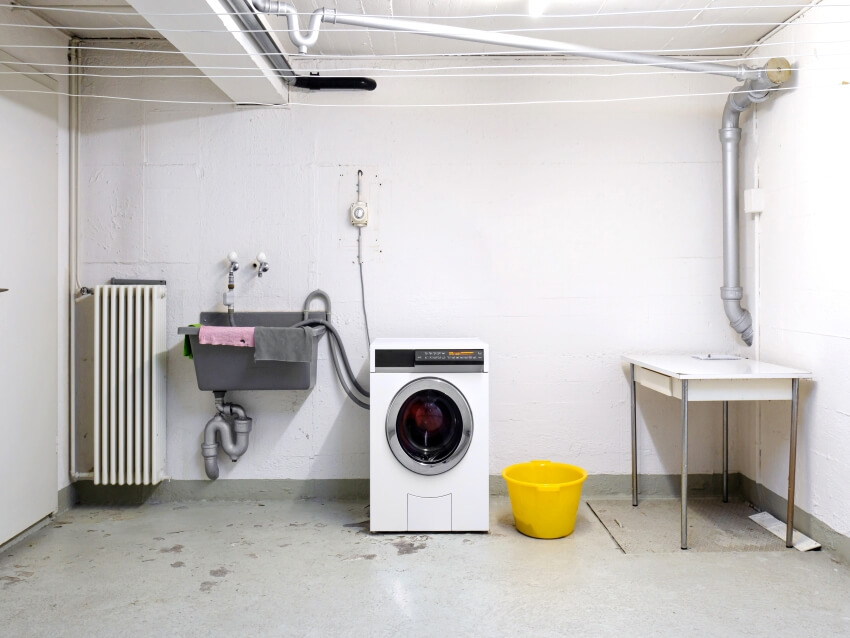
point(754, 90)
point(758, 83)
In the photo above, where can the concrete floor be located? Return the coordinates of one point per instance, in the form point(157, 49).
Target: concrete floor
point(310, 568)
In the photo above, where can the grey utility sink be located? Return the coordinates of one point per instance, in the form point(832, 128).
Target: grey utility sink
point(223, 368)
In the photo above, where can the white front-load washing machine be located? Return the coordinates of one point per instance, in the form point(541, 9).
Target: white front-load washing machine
point(429, 425)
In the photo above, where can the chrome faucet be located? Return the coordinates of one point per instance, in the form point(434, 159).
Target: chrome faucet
point(229, 297)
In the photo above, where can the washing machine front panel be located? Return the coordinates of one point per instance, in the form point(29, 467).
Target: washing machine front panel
point(429, 426)
point(402, 500)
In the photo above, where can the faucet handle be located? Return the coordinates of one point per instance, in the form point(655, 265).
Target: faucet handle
point(261, 264)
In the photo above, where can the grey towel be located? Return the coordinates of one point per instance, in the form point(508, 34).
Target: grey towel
point(283, 344)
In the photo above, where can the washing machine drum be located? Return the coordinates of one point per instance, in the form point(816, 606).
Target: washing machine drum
point(429, 426)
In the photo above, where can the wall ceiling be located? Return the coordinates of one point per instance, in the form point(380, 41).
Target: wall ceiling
point(212, 41)
point(92, 19)
point(713, 27)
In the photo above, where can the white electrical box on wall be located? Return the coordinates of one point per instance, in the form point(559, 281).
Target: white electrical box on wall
point(359, 214)
point(754, 201)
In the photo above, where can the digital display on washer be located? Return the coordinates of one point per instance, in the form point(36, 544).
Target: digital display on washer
point(449, 356)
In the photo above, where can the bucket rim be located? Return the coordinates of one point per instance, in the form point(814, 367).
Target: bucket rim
point(509, 479)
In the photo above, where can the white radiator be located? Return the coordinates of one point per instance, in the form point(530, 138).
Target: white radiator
point(129, 385)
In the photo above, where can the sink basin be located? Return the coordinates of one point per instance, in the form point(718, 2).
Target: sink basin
point(223, 368)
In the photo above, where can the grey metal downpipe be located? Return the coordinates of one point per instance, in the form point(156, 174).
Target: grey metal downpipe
point(230, 428)
point(754, 90)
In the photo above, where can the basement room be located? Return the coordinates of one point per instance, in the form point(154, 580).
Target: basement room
point(395, 318)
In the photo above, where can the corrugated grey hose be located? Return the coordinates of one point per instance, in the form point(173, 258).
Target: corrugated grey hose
point(335, 339)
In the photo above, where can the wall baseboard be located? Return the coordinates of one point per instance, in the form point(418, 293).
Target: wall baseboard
point(649, 485)
point(596, 486)
point(223, 490)
point(769, 501)
point(67, 498)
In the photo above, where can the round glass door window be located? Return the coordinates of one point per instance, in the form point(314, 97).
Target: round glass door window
point(429, 426)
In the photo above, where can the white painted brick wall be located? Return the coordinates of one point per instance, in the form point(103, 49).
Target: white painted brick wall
point(564, 235)
point(800, 148)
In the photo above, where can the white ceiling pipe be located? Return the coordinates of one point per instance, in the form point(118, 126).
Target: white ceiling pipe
point(304, 39)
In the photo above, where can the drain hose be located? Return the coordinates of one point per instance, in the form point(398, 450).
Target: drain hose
point(336, 342)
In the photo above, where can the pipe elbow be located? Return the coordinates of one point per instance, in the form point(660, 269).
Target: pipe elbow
point(211, 468)
point(301, 39)
point(235, 409)
point(737, 102)
point(241, 430)
point(740, 319)
point(321, 294)
point(209, 448)
point(214, 425)
point(263, 6)
point(230, 433)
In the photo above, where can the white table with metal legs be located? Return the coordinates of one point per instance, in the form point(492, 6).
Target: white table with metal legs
point(690, 379)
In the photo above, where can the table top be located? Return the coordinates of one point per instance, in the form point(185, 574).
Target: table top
point(686, 366)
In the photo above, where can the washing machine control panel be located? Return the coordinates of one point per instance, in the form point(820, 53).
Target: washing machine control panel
point(404, 360)
point(448, 356)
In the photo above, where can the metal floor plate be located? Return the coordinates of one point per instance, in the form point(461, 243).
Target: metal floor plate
point(654, 526)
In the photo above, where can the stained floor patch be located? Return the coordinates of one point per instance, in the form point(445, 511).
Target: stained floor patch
point(408, 547)
point(362, 526)
point(654, 526)
point(174, 549)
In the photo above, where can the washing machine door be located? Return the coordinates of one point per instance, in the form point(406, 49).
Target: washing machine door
point(429, 426)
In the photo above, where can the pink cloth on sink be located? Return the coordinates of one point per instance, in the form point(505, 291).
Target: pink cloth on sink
point(226, 336)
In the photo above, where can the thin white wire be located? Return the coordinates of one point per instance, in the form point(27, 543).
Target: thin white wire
point(696, 10)
point(519, 55)
point(492, 71)
point(387, 74)
point(641, 98)
point(341, 29)
point(511, 53)
point(572, 64)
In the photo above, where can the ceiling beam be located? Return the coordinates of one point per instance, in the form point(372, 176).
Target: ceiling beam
point(251, 77)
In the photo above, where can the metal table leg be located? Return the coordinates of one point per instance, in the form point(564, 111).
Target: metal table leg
point(684, 464)
point(792, 464)
point(725, 451)
point(634, 434)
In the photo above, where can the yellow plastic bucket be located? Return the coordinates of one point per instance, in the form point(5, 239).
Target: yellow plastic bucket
point(544, 497)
